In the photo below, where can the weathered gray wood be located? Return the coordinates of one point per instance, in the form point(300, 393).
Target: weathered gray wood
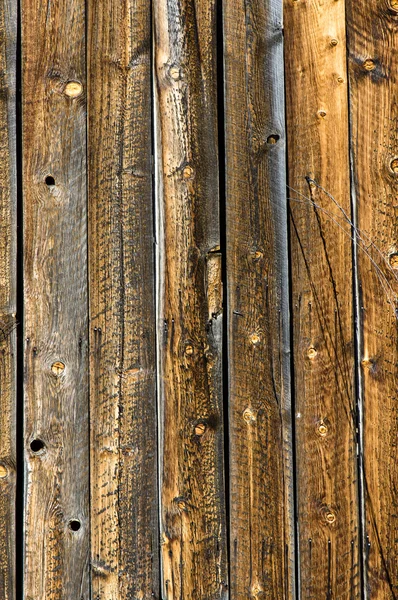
point(261, 495)
point(55, 294)
point(193, 529)
point(124, 507)
point(8, 34)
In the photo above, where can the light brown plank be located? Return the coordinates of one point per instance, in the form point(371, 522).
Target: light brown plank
point(321, 267)
point(261, 496)
point(55, 295)
point(373, 63)
point(8, 200)
point(193, 537)
point(124, 508)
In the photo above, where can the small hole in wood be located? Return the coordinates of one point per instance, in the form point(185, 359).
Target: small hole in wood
point(37, 446)
point(74, 525)
point(272, 139)
point(50, 180)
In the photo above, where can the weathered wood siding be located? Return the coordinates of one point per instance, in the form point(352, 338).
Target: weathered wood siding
point(189, 294)
point(8, 290)
point(55, 329)
point(124, 507)
point(322, 299)
point(373, 63)
point(261, 469)
point(198, 300)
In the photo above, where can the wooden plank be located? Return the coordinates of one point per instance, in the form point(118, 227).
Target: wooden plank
point(193, 530)
point(8, 200)
point(321, 268)
point(373, 63)
point(56, 520)
point(124, 508)
point(261, 496)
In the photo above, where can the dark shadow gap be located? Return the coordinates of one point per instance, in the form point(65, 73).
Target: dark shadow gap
point(158, 592)
point(292, 369)
point(357, 353)
point(223, 250)
point(87, 74)
point(19, 506)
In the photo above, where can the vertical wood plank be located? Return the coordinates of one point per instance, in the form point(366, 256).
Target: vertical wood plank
point(321, 267)
point(56, 519)
point(124, 509)
point(261, 496)
point(373, 63)
point(8, 34)
point(194, 552)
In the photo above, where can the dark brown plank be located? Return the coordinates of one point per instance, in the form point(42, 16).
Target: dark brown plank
point(321, 263)
point(373, 63)
point(261, 498)
point(193, 535)
point(124, 508)
point(55, 295)
point(8, 34)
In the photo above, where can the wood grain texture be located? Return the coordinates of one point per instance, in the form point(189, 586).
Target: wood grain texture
point(261, 497)
point(322, 301)
point(55, 295)
point(193, 534)
point(8, 34)
point(373, 63)
point(124, 507)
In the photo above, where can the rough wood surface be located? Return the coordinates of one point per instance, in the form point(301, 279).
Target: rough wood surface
point(8, 34)
point(55, 294)
point(261, 496)
point(322, 301)
point(193, 537)
point(124, 509)
point(373, 63)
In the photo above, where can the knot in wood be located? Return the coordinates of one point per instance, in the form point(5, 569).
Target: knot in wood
point(175, 73)
point(330, 517)
point(369, 65)
point(255, 339)
point(189, 349)
point(394, 165)
point(249, 416)
point(200, 429)
point(311, 353)
point(187, 172)
point(58, 368)
point(393, 260)
point(73, 89)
